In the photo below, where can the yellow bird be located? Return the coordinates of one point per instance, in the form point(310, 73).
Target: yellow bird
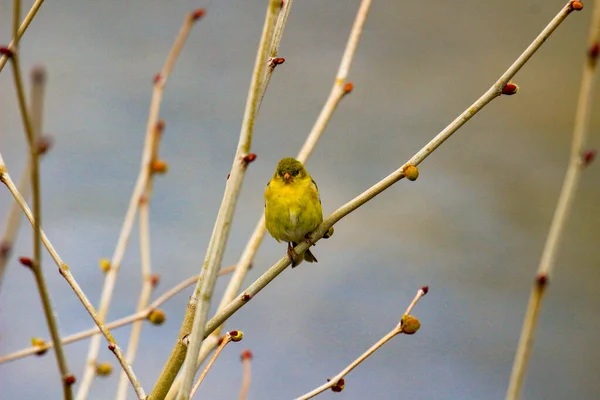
point(292, 207)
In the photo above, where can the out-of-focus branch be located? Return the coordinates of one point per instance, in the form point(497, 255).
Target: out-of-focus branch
point(66, 378)
point(13, 219)
point(24, 25)
point(246, 358)
point(148, 281)
point(140, 315)
point(407, 325)
point(138, 192)
point(66, 273)
point(578, 161)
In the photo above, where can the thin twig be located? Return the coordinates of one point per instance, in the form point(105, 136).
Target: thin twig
point(111, 275)
point(36, 266)
point(273, 60)
point(145, 265)
point(494, 91)
point(66, 273)
point(204, 289)
point(24, 25)
point(137, 316)
point(13, 219)
point(397, 330)
point(562, 211)
point(224, 342)
point(246, 358)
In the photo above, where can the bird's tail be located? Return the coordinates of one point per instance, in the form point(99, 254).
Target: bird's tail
point(309, 257)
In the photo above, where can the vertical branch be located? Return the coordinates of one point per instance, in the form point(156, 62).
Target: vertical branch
point(146, 268)
point(204, 289)
point(36, 264)
point(134, 202)
point(578, 160)
point(24, 25)
point(13, 219)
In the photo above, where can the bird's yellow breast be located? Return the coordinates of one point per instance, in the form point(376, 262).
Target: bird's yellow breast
point(292, 210)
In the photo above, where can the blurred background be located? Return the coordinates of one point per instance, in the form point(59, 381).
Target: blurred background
point(472, 227)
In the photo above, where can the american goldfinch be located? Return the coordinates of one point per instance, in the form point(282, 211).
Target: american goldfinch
point(292, 207)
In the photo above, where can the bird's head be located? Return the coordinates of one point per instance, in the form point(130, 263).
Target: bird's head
point(289, 169)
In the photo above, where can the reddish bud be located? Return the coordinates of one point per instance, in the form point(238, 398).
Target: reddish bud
point(542, 279)
point(143, 200)
point(587, 157)
point(348, 87)
point(339, 385)
point(70, 379)
point(277, 61)
point(576, 5)
point(236, 336)
point(154, 279)
point(510, 88)
point(246, 297)
point(160, 125)
point(159, 167)
point(593, 51)
point(249, 158)
point(228, 175)
point(246, 355)
point(26, 262)
point(157, 78)
point(5, 248)
point(44, 143)
point(112, 347)
point(5, 51)
point(38, 75)
point(199, 13)
point(425, 289)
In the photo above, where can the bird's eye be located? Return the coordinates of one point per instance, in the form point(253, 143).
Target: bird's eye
point(295, 172)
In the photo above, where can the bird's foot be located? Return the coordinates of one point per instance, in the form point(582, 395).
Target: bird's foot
point(293, 257)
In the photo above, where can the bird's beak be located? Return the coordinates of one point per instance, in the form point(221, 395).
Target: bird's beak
point(287, 177)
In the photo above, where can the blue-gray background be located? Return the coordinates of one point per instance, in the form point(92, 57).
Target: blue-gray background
point(472, 227)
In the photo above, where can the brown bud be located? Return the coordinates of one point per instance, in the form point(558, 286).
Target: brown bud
point(26, 262)
point(154, 279)
point(587, 157)
point(249, 158)
point(348, 87)
point(411, 172)
point(510, 88)
point(157, 317)
point(70, 380)
point(103, 369)
point(5, 51)
point(199, 13)
point(576, 5)
point(410, 324)
point(236, 336)
point(425, 290)
point(41, 343)
point(339, 385)
point(246, 355)
point(159, 167)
